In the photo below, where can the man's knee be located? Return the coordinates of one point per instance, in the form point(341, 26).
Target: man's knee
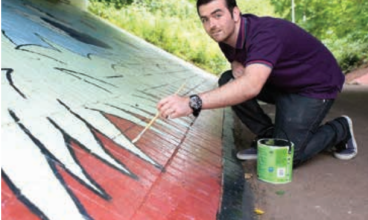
point(225, 77)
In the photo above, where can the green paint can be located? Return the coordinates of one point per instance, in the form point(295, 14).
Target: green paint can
point(275, 160)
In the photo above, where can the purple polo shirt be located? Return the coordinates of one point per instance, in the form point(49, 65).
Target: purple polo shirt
point(300, 63)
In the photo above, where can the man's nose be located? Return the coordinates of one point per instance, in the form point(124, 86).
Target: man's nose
point(212, 23)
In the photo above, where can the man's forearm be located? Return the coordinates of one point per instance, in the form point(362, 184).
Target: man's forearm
point(245, 87)
point(232, 93)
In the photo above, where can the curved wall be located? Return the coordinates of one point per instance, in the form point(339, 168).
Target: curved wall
point(75, 92)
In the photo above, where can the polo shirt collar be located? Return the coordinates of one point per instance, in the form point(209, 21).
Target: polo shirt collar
point(242, 33)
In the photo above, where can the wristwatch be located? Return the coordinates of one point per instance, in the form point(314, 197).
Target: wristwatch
point(195, 103)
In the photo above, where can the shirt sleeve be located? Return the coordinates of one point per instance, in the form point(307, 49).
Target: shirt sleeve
point(265, 48)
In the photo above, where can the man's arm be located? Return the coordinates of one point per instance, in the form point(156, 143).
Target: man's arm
point(245, 87)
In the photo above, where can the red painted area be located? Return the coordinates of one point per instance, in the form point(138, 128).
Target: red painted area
point(189, 187)
point(15, 209)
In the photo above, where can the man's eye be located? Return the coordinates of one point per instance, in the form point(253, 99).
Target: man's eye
point(218, 15)
point(204, 20)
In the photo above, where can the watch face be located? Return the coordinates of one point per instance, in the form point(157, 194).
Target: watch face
point(195, 102)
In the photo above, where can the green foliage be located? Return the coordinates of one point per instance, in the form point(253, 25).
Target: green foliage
point(342, 25)
point(325, 18)
point(257, 7)
point(349, 53)
point(174, 26)
point(115, 3)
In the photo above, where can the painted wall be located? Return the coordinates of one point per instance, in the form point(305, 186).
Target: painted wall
point(74, 92)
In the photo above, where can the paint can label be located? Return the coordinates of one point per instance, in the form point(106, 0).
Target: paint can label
point(275, 160)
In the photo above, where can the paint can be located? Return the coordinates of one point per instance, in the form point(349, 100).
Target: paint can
point(275, 160)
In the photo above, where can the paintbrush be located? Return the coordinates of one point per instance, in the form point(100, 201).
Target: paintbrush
point(153, 119)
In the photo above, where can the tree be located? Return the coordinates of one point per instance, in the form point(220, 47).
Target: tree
point(328, 19)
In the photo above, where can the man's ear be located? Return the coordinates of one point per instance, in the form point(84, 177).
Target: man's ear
point(236, 14)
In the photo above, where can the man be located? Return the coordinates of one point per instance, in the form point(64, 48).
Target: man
point(274, 61)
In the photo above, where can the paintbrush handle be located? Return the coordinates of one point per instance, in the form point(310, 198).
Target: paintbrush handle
point(146, 128)
point(153, 119)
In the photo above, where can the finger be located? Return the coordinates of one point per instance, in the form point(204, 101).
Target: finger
point(173, 115)
point(169, 113)
point(167, 109)
point(161, 103)
point(163, 111)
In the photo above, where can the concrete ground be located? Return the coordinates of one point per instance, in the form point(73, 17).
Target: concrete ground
point(324, 187)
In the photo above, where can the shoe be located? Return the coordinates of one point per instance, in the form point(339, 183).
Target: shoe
point(346, 149)
point(247, 154)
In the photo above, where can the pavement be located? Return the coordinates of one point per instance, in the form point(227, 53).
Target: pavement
point(324, 187)
point(358, 76)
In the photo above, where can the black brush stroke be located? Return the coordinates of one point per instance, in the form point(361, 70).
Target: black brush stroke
point(150, 98)
point(50, 156)
point(7, 37)
point(79, 36)
point(157, 165)
point(68, 140)
point(51, 161)
point(8, 73)
point(131, 174)
point(79, 205)
point(129, 112)
point(18, 47)
point(83, 74)
point(86, 81)
point(33, 208)
point(100, 87)
point(38, 9)
point(116, 76)
point(40, 54)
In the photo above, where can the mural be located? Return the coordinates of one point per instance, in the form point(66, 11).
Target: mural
point(74, 92)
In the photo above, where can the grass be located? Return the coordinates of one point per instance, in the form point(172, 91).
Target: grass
point(177, 31)
point(350, 54)
point(174, 26)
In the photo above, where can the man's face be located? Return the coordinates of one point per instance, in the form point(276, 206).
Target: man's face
point(217, 20)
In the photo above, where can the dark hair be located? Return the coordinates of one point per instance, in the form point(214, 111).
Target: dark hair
point(230, 4)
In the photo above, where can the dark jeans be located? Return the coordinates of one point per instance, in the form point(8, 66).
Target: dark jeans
point(298, 116)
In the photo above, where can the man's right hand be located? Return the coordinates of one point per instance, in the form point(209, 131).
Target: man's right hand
point(174, 106)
